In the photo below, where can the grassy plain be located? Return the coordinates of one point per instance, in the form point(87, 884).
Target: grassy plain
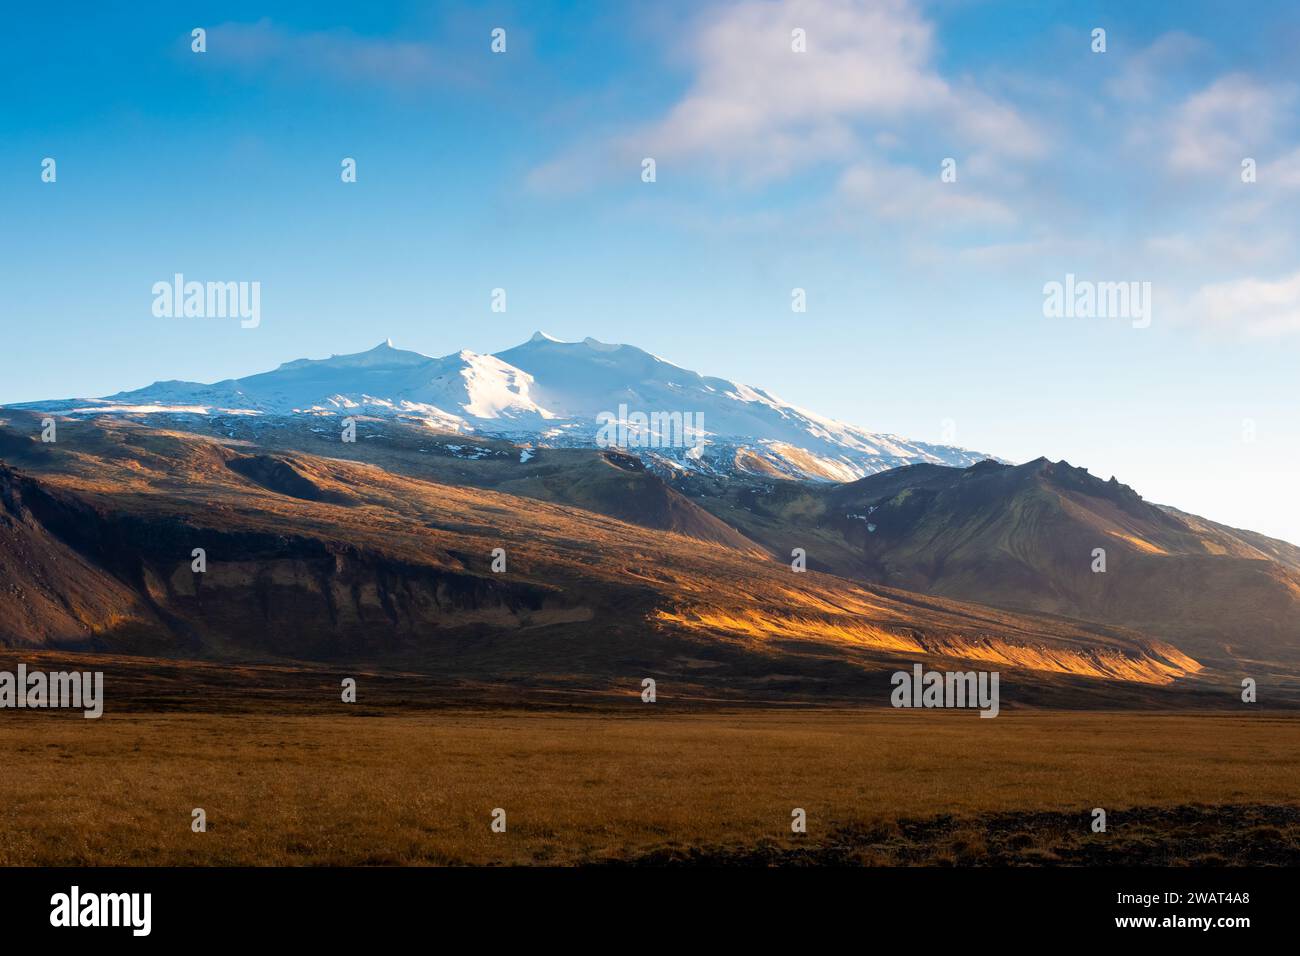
point(636, 784)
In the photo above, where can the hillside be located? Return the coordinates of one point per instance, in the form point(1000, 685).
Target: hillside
point(318, 558)
point(1022, 537)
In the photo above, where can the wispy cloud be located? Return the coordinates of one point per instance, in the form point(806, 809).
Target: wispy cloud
point(1157, 67)
point(1283, 172)
point(862, 120)
point(1213, 129)
point(902, 194)
point(338, 55)
point(1252, 307)
point(755, 110)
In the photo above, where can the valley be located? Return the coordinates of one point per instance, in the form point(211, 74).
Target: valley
point(615, 576)
point(499, 597)
point(631, 784)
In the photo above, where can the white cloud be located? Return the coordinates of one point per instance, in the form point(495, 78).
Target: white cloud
point(1283, 172)
point(1145, 73)
point(903, 194)
point(1253, 307)
point(1214, 129)
point(755, 100)
point(755, 110)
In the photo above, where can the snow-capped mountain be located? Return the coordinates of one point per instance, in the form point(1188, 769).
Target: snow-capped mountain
point(551, 392)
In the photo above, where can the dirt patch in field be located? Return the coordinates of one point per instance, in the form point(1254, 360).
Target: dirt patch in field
point(1245, 835)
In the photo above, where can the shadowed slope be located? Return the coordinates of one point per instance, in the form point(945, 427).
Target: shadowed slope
point(1025, 537)
point(403, 573)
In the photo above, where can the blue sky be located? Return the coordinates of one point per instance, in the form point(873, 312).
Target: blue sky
point(775, 170)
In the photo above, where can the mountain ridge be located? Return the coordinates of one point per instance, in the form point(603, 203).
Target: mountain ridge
point(553, 392)
point(1046, 537)
point(328, 559)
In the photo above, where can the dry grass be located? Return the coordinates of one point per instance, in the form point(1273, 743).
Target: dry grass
point(420, 788)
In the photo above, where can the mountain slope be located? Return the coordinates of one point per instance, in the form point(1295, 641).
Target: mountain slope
point(449, 392)
point(1024, 537)
point(50, 593)
point(549, 392)
point(317, 558)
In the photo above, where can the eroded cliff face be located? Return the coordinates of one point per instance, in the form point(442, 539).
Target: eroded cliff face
point(77, 574)
point(50, 594)
point(130, 539)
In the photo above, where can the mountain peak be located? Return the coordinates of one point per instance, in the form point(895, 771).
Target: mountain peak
point(596, 345)
point(382, 355)
point(557, 390)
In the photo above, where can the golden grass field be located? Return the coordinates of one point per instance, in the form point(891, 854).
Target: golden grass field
point(419, 788)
